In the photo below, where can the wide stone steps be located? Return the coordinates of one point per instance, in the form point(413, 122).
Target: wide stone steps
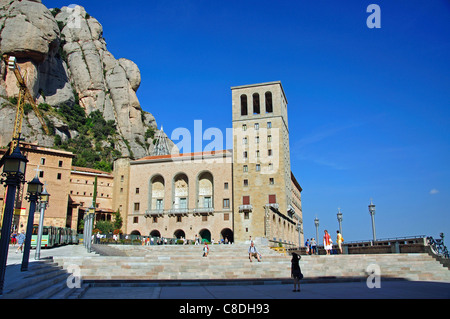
point(231, 262)
point(43, 280)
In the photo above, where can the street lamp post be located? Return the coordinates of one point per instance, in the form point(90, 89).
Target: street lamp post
point(316, 223)
point(43, 203)
point(339, 218)
point(372, 214)
point(34, 191)
point(14, 170)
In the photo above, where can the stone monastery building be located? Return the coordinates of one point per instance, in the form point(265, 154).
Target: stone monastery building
point(249, 191)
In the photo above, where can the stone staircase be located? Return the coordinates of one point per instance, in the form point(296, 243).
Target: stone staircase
point(43, 280)
point(230, 262)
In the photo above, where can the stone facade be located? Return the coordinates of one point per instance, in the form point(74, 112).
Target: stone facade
point(179, 195)
point(262, 177)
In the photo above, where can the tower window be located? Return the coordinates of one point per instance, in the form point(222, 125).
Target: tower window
point(244, 109)
point(256, 108)
point(269, 107)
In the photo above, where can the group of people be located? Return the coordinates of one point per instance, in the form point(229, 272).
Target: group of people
point(311, 246)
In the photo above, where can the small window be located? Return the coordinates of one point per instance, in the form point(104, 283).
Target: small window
point(244, 127)
point(272, 199)
point(269, 152)
point(245, 168)
point(226, 216)
point(256, 126)
point(135, 220)
point(137, 190)
point(204, 218)
point(269, 138)
point(246, 216)
point(179, 219)
point(60, 163)
point(244, 141)
point(137, 207)
point(245, 154)
point(122, 178)
point(225, 185)
point(155, 219)
point(257, 139)
point(245, 200)
point(258, 167)
point(244, 108)
point(245, 182)
point(271, 181)
point(226, 203)
point(58, 176)
point(269, 124)
point(41, 174)
point(42, 161)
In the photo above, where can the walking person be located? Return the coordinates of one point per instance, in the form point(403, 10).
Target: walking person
point(327, 242)
point(205, 250)
point(339, 240)
point(296, 273)
point(20, 241)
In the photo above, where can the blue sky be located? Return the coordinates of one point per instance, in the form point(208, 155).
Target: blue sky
point(369, 109)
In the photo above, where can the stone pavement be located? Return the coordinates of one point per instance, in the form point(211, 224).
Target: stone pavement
point(340, 290)
point(390, 289)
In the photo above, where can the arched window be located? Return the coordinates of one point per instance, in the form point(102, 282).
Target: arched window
point(180, 192)
point(269, 106)
point(244, 108)
point(256, 108)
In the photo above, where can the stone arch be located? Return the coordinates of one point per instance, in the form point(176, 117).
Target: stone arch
point(205, 190)
point(227, 233)
point(244, 105)
point(156, 192)
point(205, 234)
point(180, 191)
point(269, 103)
point(155, 233)
point(256, 104)
point(179, 233)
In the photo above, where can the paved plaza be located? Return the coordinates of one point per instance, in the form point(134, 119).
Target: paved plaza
point(390, 289)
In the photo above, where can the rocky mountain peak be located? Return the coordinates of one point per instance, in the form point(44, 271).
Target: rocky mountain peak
point(67, 63)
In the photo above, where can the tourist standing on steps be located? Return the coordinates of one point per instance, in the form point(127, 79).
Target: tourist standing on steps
point(307, 247)
point(296, 273)
point(253, 252)
point(313, 246)
point(339, 240)
point(327, 242)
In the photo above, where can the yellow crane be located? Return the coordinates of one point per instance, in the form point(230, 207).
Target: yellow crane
point(24, 96)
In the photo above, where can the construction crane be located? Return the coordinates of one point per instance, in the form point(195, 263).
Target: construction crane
point(24, 96)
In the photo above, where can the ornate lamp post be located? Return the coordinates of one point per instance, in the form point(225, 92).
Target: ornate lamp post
point(14, 171)
point(372, 214)
point(34, 191)
point(316, 223)
point(339, 218)
point(43, 203)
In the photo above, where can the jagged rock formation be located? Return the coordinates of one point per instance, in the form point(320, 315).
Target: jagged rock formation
point(66, 61)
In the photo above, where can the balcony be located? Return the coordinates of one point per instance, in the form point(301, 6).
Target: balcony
point(204, 210)
point(154, 212)
point(245, 208)
point(273, 205)
point(178, 211)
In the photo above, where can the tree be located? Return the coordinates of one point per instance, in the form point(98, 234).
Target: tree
point(118, 221)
